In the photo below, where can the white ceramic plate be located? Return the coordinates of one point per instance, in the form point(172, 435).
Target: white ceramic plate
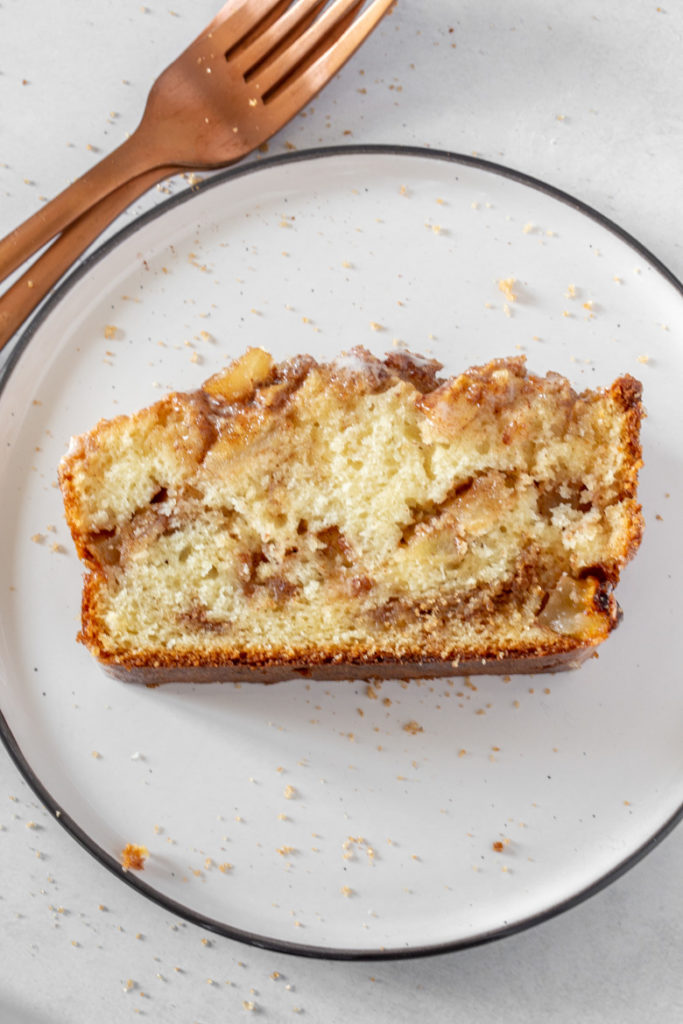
point(349, 836)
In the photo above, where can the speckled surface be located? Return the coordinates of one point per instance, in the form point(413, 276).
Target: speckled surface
point(584, 97)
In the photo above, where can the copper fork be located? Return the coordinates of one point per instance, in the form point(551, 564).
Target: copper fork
point(251, 70)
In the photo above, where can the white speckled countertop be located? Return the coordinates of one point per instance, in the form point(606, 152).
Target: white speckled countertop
point(586, 97)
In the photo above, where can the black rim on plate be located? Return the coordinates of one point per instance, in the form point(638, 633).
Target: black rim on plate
point(15, 752)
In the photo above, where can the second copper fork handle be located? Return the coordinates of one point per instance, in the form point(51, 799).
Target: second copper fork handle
point(19, 301)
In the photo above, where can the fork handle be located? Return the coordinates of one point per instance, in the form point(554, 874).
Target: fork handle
point(21, 299)
point(133, 157)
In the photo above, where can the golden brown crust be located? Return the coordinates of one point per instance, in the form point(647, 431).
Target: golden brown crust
point(156, 675)
point(257, 661)
point(627, 393)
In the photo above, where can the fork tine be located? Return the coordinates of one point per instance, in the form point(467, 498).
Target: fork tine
point(297, 17)
point(232, 24)
point(293, 56)
point(299, 90)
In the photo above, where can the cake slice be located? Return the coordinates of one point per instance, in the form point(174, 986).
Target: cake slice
point(362, 517)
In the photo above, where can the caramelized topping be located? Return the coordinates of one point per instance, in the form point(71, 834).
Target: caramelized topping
point(239, 381)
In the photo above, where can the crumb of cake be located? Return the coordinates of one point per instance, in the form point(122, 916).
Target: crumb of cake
point(506, 286)
point(413, 728)
point(498, 846)
point(133, 857)
point(111, 332)
point(289, 792)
